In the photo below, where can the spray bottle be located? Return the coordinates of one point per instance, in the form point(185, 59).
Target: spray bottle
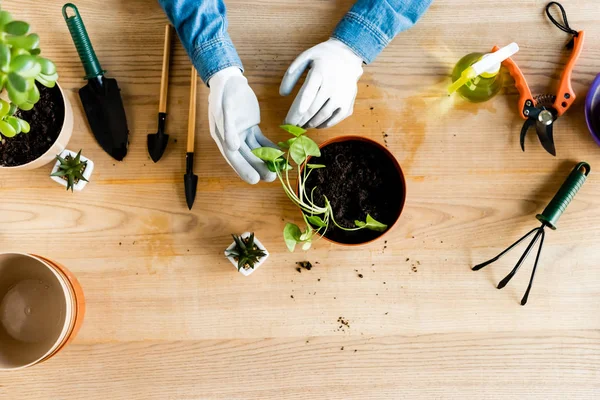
point(477, 76)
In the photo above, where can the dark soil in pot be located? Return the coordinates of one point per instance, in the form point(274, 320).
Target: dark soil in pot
point(46, 120)
point(359, 179)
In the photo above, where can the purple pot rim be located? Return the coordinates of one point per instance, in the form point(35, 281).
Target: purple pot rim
point(589, 117)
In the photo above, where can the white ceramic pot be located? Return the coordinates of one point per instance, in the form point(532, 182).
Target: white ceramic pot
point(257, 242)
point(59, 145)
point(87, 173)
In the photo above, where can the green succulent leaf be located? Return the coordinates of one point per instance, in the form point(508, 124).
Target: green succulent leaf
point(35, 52)
point(60, 172)
point(16, 28)
point(4, 57)
point(34, 94)
point(291, 235)
point(25, 127)
point(22, 63)
point(4, 108)
point(7, 130)
point(13, 109)
point(317, 221)
point(267, 153)
point(14, 122)
point(302, 148)
point(48, 67)
point(26, 106)
point(293, 129)
point(5, 18)
point(25, 43)
point(372, 224)
point(17, 82)
point(315, 166)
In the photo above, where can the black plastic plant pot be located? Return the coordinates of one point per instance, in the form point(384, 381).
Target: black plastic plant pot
point(360, 177)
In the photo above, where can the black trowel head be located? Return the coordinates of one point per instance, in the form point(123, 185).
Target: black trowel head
point(101, 99)
point(157, 142)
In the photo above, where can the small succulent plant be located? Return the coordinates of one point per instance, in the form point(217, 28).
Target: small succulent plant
point(246, 252)
point(71, 169)
point(20, 67)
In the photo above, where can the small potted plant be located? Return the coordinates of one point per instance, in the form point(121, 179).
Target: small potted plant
point(72, 170)
point(349, 190)
point(246, 253)
point(36, 119)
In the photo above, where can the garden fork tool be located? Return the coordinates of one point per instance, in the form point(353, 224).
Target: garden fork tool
point(543, 110)
point(549, 218)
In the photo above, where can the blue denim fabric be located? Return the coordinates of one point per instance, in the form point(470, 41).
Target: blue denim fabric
point(367, 28)
point(370, 25)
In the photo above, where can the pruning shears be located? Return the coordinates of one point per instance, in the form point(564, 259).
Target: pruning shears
point(543, 110)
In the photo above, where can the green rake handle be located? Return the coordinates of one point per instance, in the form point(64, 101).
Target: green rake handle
point(82, 42)
point(565, 195)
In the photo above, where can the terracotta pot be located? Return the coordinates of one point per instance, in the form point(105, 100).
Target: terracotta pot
point(41, 309)
point(401, 182)
point(59, 145)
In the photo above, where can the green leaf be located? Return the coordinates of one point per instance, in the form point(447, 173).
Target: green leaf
point(13, 109)
point(17, 28)
point(306, 246)
point(22, 63)
point(315, 166)
point(287, 143)
point(317, 221)
point(291, 235)
point(35, 52)
point(48, 67)
point(293, 129)
point(78, 157)
point(7, 130)
point(372, 224)
point(302, 148)
point(26, 43)
point(34, 95)
point(4, 108)
point(26, 106)
point(60, 172)
point(267, 153)
point(5, 18)
point(14, 122)
point(4, 57)
point(15, 96)
point(25, 127)
point(17, 82)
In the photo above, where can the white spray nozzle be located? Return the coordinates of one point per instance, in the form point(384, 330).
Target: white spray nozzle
point(490, 63)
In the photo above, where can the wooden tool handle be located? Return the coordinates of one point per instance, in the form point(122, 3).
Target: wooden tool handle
point(192, 114)
point(164, 77)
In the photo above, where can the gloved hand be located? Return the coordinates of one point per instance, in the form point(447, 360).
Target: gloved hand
point(328, 93)
point(233, 116)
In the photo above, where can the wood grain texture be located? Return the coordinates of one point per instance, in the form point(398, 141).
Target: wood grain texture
point(168, 316)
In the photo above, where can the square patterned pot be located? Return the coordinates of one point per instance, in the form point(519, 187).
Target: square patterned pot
point(257, 242)
point(87, 173)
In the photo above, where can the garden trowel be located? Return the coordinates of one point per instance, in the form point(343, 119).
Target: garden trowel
point(101, 97)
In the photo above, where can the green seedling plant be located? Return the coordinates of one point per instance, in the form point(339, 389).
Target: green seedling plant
point(20, 67)
point(300, 148)
point(71, 169)
point(246, 252)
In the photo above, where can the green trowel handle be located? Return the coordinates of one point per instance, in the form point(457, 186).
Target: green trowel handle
point(82, 42)
point(565, 194)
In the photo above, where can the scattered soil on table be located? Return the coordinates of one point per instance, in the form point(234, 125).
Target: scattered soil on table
point(46, 120)
point(359, 179)
point(307, 265)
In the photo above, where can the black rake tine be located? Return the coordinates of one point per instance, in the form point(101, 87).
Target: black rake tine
point(486, 263)
point(537, 258)
point(512, 273)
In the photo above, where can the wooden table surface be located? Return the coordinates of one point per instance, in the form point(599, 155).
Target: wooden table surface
point(168, 316)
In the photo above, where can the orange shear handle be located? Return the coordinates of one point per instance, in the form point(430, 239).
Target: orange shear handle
point(565, 96)
point(520, 83)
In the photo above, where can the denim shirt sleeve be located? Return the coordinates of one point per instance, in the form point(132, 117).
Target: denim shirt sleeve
point(370, 25)
point(202, 28)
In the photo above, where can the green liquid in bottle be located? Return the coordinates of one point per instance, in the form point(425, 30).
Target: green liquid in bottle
point(480, 88)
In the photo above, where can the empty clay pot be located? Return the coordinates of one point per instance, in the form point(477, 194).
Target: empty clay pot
point(41, 308)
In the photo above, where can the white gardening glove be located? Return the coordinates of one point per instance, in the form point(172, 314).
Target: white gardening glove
point(329, 90)
point(233, 116)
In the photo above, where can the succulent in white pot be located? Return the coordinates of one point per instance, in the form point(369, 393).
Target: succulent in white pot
point(246, 253)
point(72, 170)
